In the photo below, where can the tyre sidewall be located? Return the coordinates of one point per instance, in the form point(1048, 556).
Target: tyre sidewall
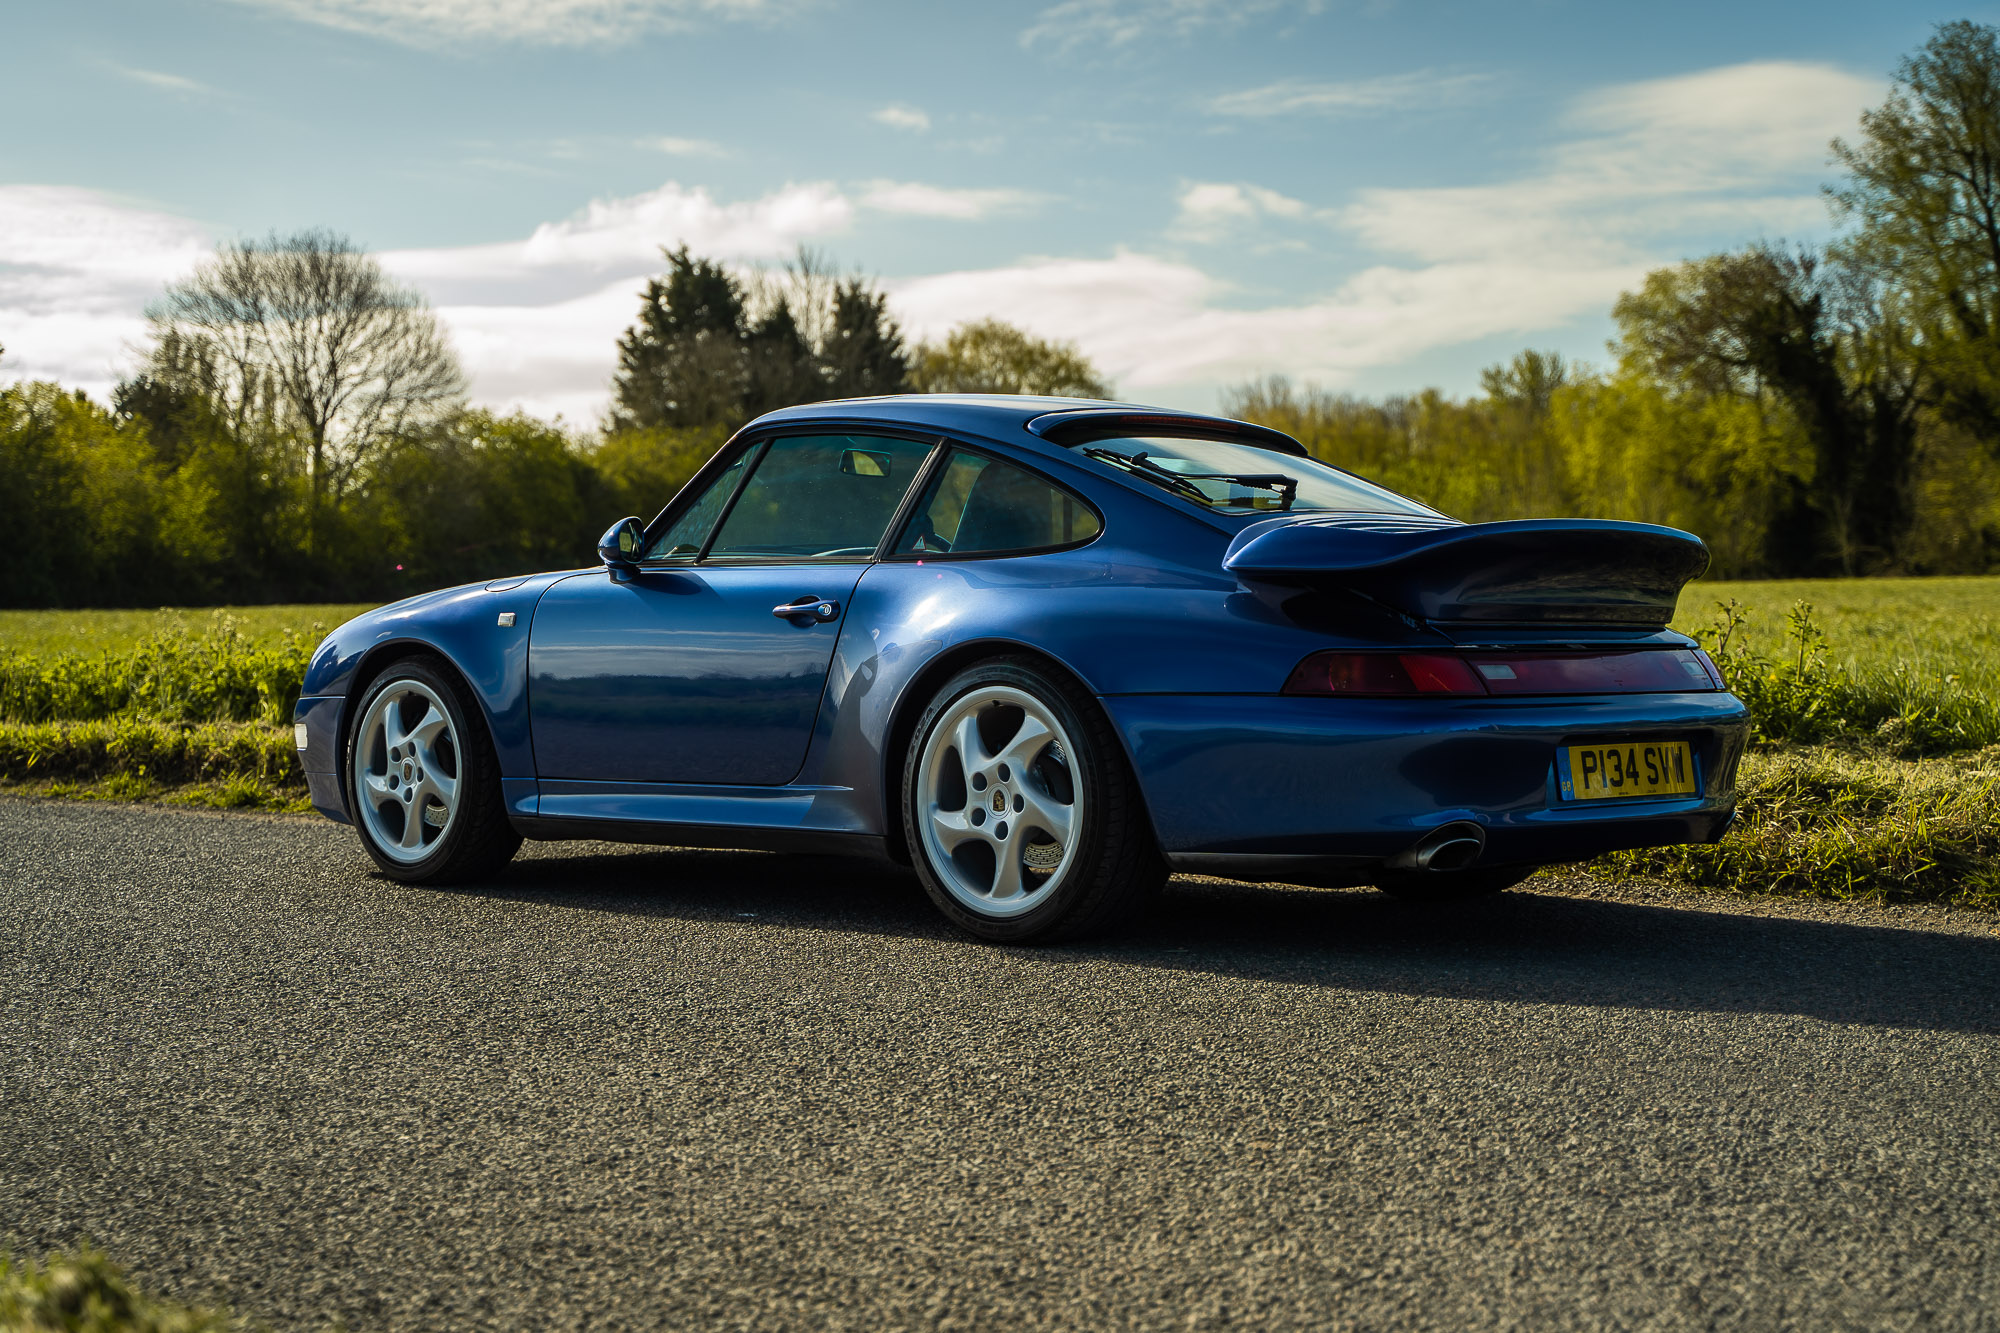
point(1086, 771)
point(472, 773)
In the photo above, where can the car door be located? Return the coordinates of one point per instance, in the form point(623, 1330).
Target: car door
point(691, 670)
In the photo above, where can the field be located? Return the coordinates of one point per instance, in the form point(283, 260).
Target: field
point(49, 633)
point(1873, 774)
point(1936, 627)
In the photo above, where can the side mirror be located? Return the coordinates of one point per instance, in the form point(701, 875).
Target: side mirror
point(621, 546)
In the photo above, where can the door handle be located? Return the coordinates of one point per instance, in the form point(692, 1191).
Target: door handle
point(818, 608)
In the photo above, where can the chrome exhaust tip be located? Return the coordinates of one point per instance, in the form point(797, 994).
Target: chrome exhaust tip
point(1445, 848)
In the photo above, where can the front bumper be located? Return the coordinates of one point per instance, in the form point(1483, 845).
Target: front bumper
point(320, 755)
point(1291, 786)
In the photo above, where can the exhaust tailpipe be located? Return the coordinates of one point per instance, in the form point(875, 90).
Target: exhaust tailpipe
point(1446, 847)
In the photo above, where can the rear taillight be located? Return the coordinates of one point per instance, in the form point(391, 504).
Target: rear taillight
point(1618, 671)
point(1383, 674)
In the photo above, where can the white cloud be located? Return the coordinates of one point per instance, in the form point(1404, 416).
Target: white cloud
point(933, 201)
point(171, 83)
point(1387, 92)
point(1732, 152)
point(544, 22)
point(673, 147)
point(1208, 210)
point(1647, 171)
point(1077, 25)
point(75, 277)
point(898, 116)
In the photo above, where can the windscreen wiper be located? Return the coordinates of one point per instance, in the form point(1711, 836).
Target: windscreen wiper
point(1183, 483)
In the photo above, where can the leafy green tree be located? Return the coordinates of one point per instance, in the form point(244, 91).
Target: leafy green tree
point(988, 356)
point(1820, 336)
point(1922, 193)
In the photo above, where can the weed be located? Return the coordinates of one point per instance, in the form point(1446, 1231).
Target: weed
point(86, 1293)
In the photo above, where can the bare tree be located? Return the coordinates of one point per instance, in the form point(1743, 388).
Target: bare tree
point(308, 331)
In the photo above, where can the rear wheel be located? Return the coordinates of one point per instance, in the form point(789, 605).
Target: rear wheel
point(1022, 817)
point(1448, 886)
point(422, 779)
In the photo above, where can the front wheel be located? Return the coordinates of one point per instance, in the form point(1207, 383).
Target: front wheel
point(423, 781)
point(1022, 817)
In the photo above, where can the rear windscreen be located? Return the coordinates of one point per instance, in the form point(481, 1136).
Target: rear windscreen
point(1234, 478)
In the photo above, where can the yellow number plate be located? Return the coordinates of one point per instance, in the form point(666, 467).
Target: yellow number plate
point(1608, 772)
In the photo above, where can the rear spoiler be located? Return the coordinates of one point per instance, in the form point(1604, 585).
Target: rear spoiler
point(1574, 570)
point(1085, 424)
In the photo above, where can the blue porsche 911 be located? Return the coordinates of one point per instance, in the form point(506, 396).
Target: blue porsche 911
point(1045, 652)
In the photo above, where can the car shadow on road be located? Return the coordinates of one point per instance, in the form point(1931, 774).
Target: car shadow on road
point(1522, 946)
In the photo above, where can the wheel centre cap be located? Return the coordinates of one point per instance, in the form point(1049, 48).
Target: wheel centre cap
point(999, 800)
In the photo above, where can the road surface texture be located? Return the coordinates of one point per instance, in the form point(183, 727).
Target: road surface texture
point(648, 1089)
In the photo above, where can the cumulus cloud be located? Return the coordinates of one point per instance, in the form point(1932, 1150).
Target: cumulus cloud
point(540, 22)
point(1384, 93)
point(934, 201)
point(898, 116)
point(75, 277)
point(1209, 210)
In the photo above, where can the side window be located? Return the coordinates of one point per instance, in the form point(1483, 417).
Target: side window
point(682, 540)
point(981, 504)
point(820, 497)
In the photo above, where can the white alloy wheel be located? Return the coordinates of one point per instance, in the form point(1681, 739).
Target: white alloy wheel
point(407, 771)
point(997, 806)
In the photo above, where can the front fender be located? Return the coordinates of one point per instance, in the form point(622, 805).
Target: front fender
point(461, 625)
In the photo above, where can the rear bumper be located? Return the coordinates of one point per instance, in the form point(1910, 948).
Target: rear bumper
point(1324, 787)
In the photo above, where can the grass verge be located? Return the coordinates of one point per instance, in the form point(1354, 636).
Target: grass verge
point(222, 765)
point(86, 1293)
point(1821, 822)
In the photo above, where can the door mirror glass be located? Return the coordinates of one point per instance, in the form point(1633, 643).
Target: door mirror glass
point(620, 545)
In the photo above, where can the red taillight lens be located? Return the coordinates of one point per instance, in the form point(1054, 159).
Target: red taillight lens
point(1383, 674)
point(1644, 671)
point(1388, 675)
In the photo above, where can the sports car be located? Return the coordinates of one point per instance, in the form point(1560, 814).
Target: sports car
point(1045, 652)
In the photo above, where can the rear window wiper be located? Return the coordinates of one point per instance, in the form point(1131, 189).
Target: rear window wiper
point(1183, 483)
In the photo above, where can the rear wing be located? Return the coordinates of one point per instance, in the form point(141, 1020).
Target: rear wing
point(1533, 571)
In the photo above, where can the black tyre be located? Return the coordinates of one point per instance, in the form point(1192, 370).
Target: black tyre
point(422, 782)
point(1450, 886)
point(1022, 817)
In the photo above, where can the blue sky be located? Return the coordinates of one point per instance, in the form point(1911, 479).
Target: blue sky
point(1372, 196)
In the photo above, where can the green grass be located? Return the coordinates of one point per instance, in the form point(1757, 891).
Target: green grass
point(51, 633)
point(1932, 627)
point(1827, 822)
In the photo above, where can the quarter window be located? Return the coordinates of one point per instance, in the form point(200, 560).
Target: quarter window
point(820, 497)
point(682, 540)
point(981, 505)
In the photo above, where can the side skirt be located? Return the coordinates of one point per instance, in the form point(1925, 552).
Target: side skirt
point(543, 828)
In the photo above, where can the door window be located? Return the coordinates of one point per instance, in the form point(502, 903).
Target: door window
point(682, 540)
point(981, 505)
point(820, 497)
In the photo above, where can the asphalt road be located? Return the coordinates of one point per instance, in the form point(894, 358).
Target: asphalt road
point(650, 1089)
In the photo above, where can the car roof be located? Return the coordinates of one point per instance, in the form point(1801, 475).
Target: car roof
point(1018, 419)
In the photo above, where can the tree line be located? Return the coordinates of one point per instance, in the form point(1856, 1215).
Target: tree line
point(299, 430)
